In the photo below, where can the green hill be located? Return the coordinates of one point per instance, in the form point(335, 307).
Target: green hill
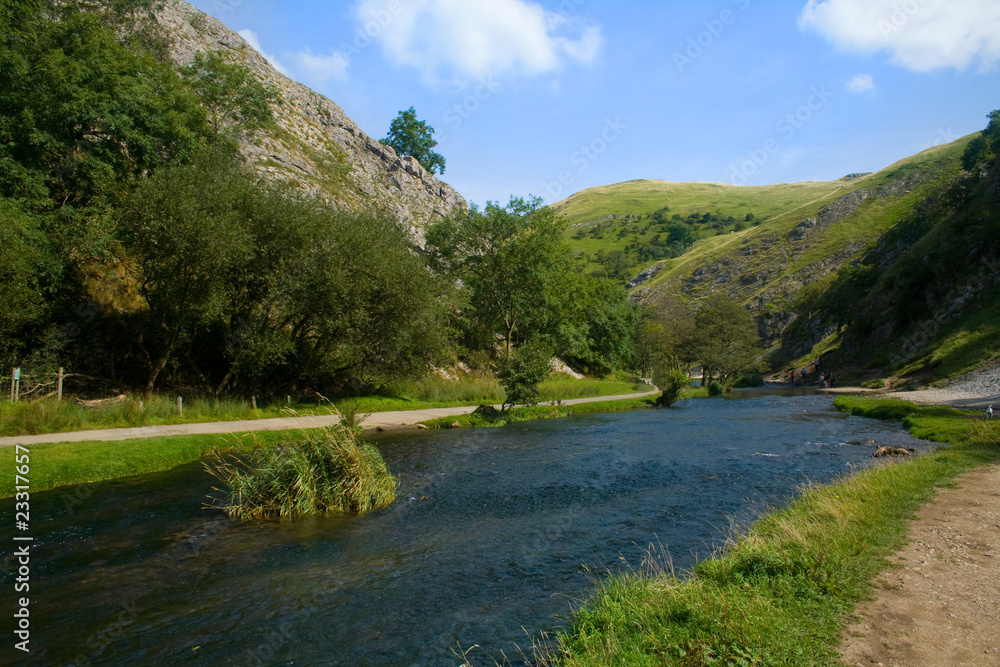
point(780, 249)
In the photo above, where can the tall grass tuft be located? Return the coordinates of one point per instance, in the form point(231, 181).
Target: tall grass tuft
point(324, 471)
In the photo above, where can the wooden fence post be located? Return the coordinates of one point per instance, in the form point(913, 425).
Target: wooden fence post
point(13, 376)
point(180, 406)
point(60, 385)
point(253, 402)
point(16, 379)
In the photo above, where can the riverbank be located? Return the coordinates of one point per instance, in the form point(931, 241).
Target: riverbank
point(93, 456)
point(781, 593)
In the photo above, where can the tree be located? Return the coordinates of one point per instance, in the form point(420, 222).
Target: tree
point(520, 372)
point(183, 235)
point(249, 283)
point(409, 136)
point(671, 382)
point(28, 274)
point(511, 261)
point(596, 324)
point(81, 114)
point(726, 339)
point(985, 148)
point(234, 97)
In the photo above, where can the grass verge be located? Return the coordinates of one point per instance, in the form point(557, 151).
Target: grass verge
point(781, 593)
point(51, 416)
point(68, 463)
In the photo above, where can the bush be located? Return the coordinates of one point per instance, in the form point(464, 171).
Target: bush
point(716, 388)
point(671, 382)
point(322, 472)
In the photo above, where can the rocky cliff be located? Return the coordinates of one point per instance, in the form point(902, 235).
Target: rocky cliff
point(315, 145)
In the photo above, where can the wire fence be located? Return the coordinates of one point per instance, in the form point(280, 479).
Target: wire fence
point(24, 384)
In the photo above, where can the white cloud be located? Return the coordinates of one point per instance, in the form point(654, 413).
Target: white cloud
point(477, 38)
point(320, 69)
point(251, 37)
point(920, 35)
point(861, 83)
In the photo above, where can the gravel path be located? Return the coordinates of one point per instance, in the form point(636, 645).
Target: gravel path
point(940, 604)
point(977, 389)
point(385, 420)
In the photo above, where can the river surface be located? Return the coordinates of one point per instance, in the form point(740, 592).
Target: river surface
point(495, 535)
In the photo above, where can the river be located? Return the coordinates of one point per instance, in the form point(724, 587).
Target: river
point(495, 535)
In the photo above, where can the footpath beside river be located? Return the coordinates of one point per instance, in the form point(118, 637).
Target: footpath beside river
point(384, 420)
point(940, 604)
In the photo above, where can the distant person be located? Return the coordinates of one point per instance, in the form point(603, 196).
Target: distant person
point(833, 378)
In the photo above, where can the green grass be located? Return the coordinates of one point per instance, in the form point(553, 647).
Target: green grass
point(520, 414)
point(49, 416)
point(324, 471)
point(782, 592)
point(62, 464)
point(962, 345)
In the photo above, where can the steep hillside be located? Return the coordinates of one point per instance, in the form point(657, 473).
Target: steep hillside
point(925, 299)
point(315, 145)
point(800, 234)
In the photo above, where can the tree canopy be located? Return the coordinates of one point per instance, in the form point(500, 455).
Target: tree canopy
point(409, 136)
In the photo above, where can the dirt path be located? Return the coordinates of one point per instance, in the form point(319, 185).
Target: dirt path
point(941, 605)
point(384, 420)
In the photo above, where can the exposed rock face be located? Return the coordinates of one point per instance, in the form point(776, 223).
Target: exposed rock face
point(316, 146)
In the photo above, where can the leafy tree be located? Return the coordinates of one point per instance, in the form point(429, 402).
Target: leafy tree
point(985, 148)
point(28, 273)
point(409, 136)
point(617, 264)
point(250, 283)
point(671, 382)
point(184, 233)
point(520, 372)
point(663, 335)
point(725, 339)
point(596, 324)
point(80, 113)
point(234, 97)
point(510, 260)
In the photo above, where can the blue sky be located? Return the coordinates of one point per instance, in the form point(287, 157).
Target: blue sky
point(550, 97)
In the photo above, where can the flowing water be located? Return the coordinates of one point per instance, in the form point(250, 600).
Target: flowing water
point(496, 534)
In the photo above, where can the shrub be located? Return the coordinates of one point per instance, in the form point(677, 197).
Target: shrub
point(671, 382)
point(321, 472)
point(716, 388)
point(521, 371)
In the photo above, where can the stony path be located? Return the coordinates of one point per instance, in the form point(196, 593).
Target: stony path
point(974, 390)
point(940, 607)
point(385, 420)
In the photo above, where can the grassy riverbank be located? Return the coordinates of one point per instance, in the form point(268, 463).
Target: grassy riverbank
point(781, 592)
point(62, 464)
point(523, 414)
point(51, 416)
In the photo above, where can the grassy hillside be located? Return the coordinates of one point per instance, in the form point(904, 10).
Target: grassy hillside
point(634, 213)
point(801, 257)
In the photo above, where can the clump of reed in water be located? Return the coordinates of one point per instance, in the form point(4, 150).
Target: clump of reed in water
point(323, 471)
